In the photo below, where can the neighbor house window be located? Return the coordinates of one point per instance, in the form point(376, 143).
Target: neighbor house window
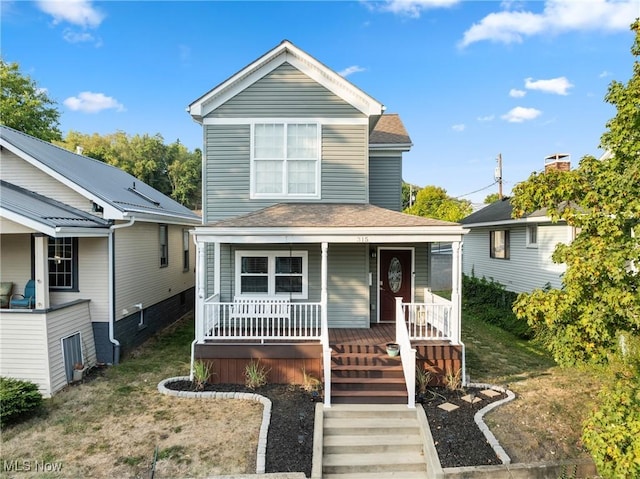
point(272, 273)
point(62, 256)
point(285, 160)
point(185, 250)
point(164, 246)
point(532, 236)
point(499, 244)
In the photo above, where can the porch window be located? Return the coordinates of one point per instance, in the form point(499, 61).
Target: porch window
point(62, 257)
point(272, 273)
point(499, 244)
point(532, 236)
point(164, 246)
point(285, 160)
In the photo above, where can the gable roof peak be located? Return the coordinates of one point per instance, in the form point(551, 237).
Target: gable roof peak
point(287, 52)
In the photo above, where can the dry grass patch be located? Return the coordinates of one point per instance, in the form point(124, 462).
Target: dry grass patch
point(109, 427)
point(544, 422)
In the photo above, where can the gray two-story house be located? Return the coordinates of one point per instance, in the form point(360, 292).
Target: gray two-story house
point(304, 260)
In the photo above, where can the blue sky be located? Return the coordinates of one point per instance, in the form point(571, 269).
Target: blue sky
point(470, 79)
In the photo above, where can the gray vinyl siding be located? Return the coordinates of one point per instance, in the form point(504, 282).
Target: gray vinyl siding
point(285, 92)
point(385, 182)
point(226, 179)
point(348, 286)
point(344, 163)
point(527, 268)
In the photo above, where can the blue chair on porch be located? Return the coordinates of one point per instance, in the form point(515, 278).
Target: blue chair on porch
point(26, 300)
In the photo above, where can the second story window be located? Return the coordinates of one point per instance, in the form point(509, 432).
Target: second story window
point(285, 160)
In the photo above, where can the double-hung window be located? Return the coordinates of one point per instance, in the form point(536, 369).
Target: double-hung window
point(164, 245)
point(499, 244)
point(272, 273)
point(62, 257)
point(285, 160)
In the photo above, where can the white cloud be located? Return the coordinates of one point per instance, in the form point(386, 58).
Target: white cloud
point(515, 93)
point(604, 74)
point(458, 127)
point(413, 8)
point(89, 102)
point(520, 114)
point(351, 70)
point(486, 118)
point(559, 85)
point(79, 37)
point(77, 12)
point(558, 16)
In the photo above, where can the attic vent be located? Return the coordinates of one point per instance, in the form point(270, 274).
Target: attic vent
point(143, 196)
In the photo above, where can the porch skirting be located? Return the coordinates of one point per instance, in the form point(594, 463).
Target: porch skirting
point(285, 362)
point(439, 357)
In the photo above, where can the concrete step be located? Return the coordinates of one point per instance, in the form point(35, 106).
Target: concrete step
point(370, 426)
point(370, 410)
point(378, 462)
point(378, 475)
point(372, 444)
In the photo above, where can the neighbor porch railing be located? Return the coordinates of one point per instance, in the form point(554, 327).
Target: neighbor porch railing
point(260, 319)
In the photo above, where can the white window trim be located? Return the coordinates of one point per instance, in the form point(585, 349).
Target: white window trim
point(285, 122)
point(271, 255)
point(528, 235)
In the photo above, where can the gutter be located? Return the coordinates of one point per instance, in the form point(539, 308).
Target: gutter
point(112, 305)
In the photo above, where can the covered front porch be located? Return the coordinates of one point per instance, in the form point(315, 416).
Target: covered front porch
point(284, 287)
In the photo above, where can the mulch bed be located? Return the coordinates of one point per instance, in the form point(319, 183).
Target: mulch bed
point(457, 438)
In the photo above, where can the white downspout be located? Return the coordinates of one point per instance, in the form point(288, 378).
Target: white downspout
point(112, 287)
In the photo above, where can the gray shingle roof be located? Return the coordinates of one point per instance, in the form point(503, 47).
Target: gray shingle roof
point(112, 185)
point(44, 210)
point(498, 211)
point(389, 130)
point(323, 215)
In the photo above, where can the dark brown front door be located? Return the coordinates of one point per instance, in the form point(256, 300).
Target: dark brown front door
point(395, 281)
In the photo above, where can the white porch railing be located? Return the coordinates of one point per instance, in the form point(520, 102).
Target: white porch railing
point(407, 354)
point(429, 320)
point(260, 319)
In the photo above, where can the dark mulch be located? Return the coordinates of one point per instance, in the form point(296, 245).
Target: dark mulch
point(290, 437)
point(457, 438)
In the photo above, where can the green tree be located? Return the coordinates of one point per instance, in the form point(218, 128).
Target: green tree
point(433, 202)
point(185, 174)
point(595, 316)
point(491, 198)
point(26, 107)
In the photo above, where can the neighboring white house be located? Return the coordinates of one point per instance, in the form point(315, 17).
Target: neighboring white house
point(513, 252)
point(110, 257)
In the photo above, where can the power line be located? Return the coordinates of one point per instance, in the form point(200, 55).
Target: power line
point(477, 191)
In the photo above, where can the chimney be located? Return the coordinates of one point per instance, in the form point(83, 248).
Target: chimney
point(557, 161)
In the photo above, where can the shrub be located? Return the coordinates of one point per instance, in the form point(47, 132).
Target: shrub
point(255, 375)
point(201, 373)
point(18, 399)
point(490, 302)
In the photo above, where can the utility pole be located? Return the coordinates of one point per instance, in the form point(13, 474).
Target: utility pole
point(498, 175)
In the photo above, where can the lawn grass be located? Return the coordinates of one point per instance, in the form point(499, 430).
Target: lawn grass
point(111, 425)
point(544, 422)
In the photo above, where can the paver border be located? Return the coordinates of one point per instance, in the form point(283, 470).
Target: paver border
point(261, 455)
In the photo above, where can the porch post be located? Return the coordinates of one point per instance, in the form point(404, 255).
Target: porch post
point(326, 350)
point(41, 245)
point(456, 287)
point(200, 291)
